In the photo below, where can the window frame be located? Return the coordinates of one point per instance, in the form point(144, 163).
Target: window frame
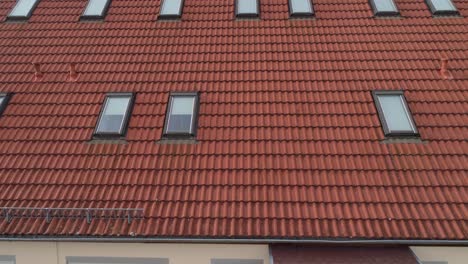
point(6, 100)
point(435, 12)
point(301, 14)
point(378, 13)
point(22, 18)
point(194, 124)
point(171, 16)
point(246, 15)
point(105, 10)
point(383, 122)
point(124, 128)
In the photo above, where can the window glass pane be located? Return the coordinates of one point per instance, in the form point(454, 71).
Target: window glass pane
point(236, 261)
point(180, 119)
point(7, 259)
point(247, 6)
point(1, 101)
point(443, 5)
point(95, 7)
point(301, 6)
point(385, 5)
point(22, 7)
point(113, 114)
point(395, 113)
point(115, 260)
point(171, 7)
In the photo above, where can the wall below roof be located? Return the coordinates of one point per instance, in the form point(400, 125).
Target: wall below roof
point(57, 252)
point(450, 255)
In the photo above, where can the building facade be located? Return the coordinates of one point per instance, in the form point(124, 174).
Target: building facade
point(233, 131)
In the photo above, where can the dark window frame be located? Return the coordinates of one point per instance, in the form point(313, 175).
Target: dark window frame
point(128, 113)
point(6, 100)
point(196, 108)
point(384, 13)
point(435, 12)
point(171, 16)
point(84, 17)
point(235, 261)
point(116, 260)
point(247, 15)
point(301, 14)
point(22, 18)
point(383, 122)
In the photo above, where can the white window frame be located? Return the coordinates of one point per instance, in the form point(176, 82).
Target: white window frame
point(383, 121)
point(124, 125)
point(377, 12)
point(22, 17)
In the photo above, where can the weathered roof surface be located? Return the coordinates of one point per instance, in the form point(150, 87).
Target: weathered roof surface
point(300, 254)
point(289, 141)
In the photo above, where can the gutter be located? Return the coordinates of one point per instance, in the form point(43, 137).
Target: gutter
point(241, 241)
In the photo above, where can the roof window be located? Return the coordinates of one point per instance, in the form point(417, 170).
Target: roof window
point(181, 116)
point(115, 114)
point(96, 9)
point(4, 98)
point(442, 7)
point(384, 7)
point(247, 8)
point(171, 9)
point(23, 9)
point(394, 113)
point(300, 8)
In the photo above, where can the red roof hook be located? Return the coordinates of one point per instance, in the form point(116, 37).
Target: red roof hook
point(73, 75)
point(37, 71)
point(443, 69)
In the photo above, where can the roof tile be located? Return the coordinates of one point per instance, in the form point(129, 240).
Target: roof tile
point(289, 143)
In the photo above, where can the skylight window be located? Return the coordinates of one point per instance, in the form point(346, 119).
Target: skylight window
point(247, 8)
point(96, 9)
point(171, 9)
point(115, 115)
point(384, 7)
point(442, 7)
point(394, 113)
point(4, 98)
point(301, 8)
point(23, 9)
point(182, 115)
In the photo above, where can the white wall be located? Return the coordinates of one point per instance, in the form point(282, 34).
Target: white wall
point(56, 252)
point(452, 255)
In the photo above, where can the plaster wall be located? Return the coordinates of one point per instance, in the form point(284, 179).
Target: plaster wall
point(57, 252)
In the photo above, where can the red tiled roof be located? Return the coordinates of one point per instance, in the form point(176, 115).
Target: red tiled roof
point(289, 141)
point(300, 254)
